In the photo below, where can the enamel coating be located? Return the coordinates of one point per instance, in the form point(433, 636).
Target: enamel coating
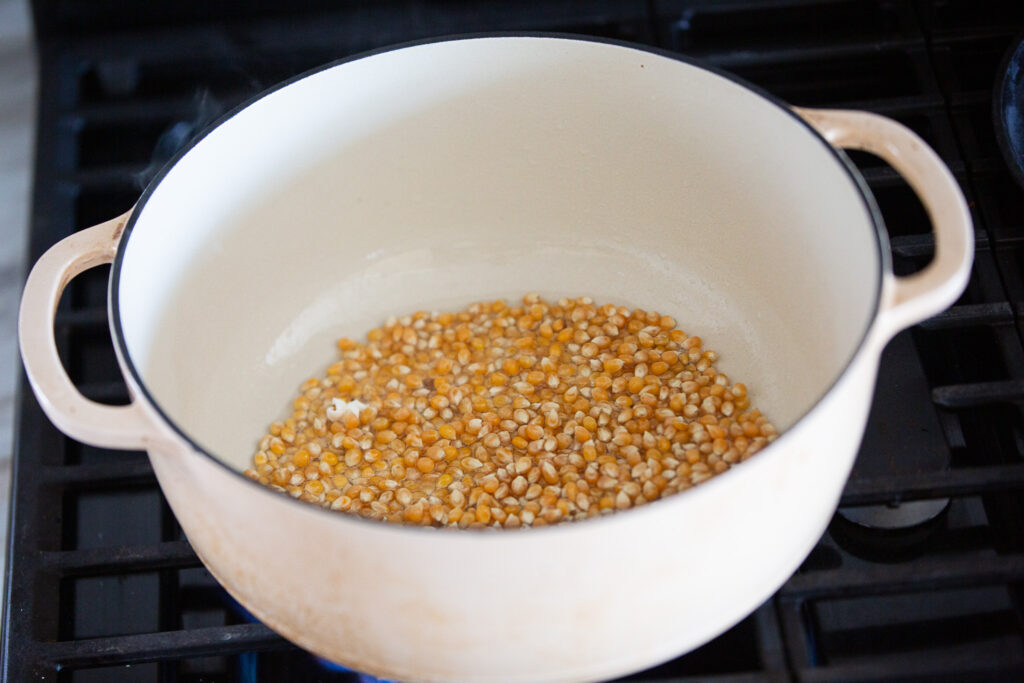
point(449, 171)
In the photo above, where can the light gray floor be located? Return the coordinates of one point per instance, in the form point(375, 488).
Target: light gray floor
point(17, 112)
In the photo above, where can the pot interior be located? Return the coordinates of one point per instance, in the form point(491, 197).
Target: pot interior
point(437, 175)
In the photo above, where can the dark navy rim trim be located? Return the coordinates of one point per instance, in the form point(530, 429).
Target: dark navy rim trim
point(881, 236)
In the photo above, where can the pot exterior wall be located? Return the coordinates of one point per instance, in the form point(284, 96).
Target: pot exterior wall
point(573, 602)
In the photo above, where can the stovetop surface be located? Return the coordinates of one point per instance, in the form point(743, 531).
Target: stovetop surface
point(104, 587)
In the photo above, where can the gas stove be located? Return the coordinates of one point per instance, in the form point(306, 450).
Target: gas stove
point(921, 571)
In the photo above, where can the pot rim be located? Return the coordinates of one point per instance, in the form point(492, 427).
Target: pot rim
point(884, 265)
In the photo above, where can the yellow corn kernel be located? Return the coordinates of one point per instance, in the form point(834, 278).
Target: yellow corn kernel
point(476, 408)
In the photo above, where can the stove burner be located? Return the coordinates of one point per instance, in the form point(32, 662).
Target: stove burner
point(903, 437)
point(363, 678)
point(325, 664)
point(1008, 110)
point(897, 515)
point(178, 134)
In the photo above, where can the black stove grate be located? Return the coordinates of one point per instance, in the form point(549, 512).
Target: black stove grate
point(102, 585)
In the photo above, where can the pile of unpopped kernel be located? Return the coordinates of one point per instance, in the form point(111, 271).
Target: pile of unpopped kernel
point(511, 416)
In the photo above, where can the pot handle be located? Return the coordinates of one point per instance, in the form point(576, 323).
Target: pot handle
point(83, 420)
point(910, 299)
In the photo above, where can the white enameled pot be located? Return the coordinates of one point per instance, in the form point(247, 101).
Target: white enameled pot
point(451, 171)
